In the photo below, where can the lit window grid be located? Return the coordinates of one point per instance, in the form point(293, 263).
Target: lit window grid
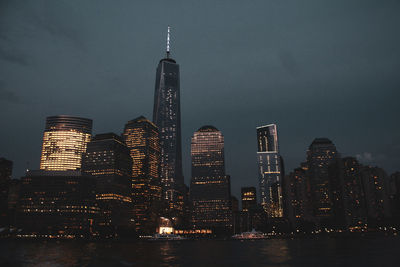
point(62, 150)
point(270, 183)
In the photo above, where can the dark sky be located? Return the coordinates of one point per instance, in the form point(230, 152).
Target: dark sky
point(315, 68)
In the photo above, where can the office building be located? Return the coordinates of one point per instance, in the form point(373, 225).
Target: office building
point(375, 183)
point(5, 179)
point(142, 138)
point(270, 171)
point(167, 117)
point(210, 186)
point(249, 198)
point(321, 153)
point(57, 204)
point(64, 142)
point(107, 158)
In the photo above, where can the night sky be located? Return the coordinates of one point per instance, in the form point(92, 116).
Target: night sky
point(315, 68)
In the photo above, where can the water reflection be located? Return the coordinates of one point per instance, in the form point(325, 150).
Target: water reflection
point(276, 251)
point(168, 253)
point(300, 252)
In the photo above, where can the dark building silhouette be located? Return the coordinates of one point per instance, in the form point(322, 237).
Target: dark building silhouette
point(249, 198)
point(235, 215)
point(270, 170)
point(321, 153)
point(57, 204)
point(252, 215)
point(376, 189)
point(349, 207)
point(13, 197)
point(395, 183)
point(107, 155)
point(64, 141)
point(142, 139)
point(298, 206)
point(107, 158)
point(167, 117)
point(5, 178)
point(210, 186)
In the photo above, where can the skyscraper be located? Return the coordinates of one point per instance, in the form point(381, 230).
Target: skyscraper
point(142, 138)
point(5, 179)
point(376, 189)
point(107, 155)
point(347, 193)
point(297, 203)
point(321, 153)
point(64, 141)
point(167, 117)
point(107, 158)
point(210, 186)
point(249, 198)
point(270, 170)
point(57, 203)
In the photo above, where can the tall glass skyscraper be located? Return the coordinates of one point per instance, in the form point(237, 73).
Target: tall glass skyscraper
point(270, 170)
point(142, 138)
point(167, 117)
point(64, 141)
point(210, 186)
point(321, 153)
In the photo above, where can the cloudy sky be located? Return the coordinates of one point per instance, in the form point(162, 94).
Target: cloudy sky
point(315, 68)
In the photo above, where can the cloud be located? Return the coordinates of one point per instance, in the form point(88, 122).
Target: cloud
point(288, 61)
point(8, 96)
point(13, 56)
point(59, 20)
point(365, 157)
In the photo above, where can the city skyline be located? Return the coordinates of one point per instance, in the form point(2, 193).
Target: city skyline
point(310, 94)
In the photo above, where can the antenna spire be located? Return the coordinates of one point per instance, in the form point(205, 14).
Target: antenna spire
point(168, 38)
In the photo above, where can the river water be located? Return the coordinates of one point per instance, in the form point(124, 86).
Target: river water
point(322, 251)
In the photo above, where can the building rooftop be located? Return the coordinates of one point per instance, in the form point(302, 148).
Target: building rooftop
point(207, 128)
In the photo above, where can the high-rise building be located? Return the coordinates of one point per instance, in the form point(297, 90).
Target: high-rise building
point(376, 190)
point(64, 141)
point(270, 170)
point(107, 155)
point(142, 138)
point(57, 204)
point(321, 153)
point(167, 117)
point(210, 186)
point(249, 198)
point(395, 183)
point(298, 209)
point(5, 178)
point(348, 198)
point(108, 159)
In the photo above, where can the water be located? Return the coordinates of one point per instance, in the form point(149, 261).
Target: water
point(324, 251)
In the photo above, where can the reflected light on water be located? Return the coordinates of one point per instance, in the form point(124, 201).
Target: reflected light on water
point(276, 251)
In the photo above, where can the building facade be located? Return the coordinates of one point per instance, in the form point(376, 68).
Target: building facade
point(321, 153)
point(64, 141)
point(167, 117)
point(348, 196)
point(108, 159)
point(5, 180)
point(107, 155)
point(270, 171)
point(210, 186)
point(249, 198)
point(57, 204)
point(298, 205)
point(142, 138)
point(375, 184)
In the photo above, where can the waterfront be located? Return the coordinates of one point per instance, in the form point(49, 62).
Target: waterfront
point(327, 251)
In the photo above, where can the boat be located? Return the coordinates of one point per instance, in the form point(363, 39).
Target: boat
point(253, 234)
point(167, 237)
